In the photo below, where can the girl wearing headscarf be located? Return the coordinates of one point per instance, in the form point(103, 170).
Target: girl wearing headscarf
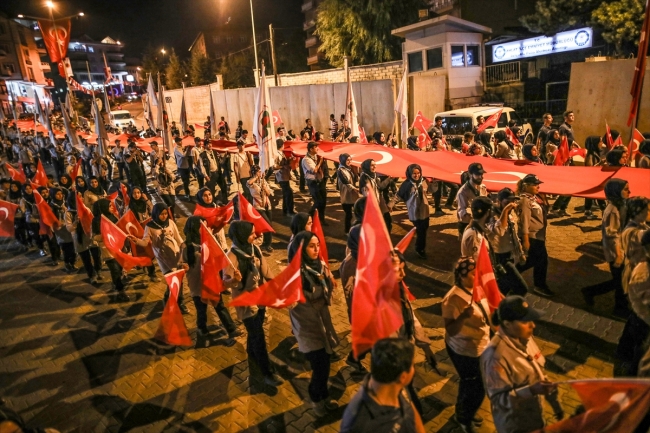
point(617, 192)
point(80, 185)
point(485, 139)
point(260, 192)
point(283, 178)
point(593, 145)
point(192, 256)
point(32, 217)
point(311, 322)
point(247, 271)
point(644, 151)
point(88, 250)
point(370, 182)
point(15, 196)
point(380, 138)
point(551, 145)
point(617, 157)
point(529, 151)
point(139, 204)
point(637, 226)
point(63, 236)
point(65, 183)
point(104, 208)
point(347, 180)
point(467, 335)
point(413, 192)
point(504, 147)
point(94, 192)
point(301, 221)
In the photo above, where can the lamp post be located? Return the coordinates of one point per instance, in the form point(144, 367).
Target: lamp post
point(257, 67)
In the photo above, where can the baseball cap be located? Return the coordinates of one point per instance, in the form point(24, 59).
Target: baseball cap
point(517, 308)
point(506, 194)
point(475, 168)
point(480, 206)
point(178, 140)
point(531, 179)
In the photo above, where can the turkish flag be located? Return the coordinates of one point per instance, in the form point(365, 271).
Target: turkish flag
point(130, 225)
point(363, 138)
point(608, 137)
point(409, 295)
point(511, 136)
point(76, 171)
point(56, 35)
point(578, 151)
point(40, 178)
point(376, 303)
point(424, 140)
point(47, 216)
point(7, 214)
point(635, 142)
point(114, 239)
point(611, 405)
point(485, 283)
point(84, 214)
point(172, 329)
point(317, 229)
point(125, 195)
point(562, 152)
point(618, 141)
point(492, 121)
point(213, 260)
point(277, 120)
point(248, 213)
point(112, 197)
point(406, 240)
point(216, 217)
point(16, 175)
point(422, 123)
point(282, 291)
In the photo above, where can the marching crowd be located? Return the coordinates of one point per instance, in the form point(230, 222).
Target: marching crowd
point(494, 354)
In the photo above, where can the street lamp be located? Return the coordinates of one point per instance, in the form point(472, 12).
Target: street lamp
point(163, 51)
point(257, 68)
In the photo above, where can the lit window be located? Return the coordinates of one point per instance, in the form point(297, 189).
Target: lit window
point(472, 56)
point(457, 56)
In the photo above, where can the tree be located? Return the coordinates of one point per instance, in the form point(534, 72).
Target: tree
point(152, 64)
point(237, 70)
point(362, 29)
point(174, 72)
point(621, 23)
point(202, 69)
point(552, 16)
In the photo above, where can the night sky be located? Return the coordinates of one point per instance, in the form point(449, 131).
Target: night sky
point(168, 23)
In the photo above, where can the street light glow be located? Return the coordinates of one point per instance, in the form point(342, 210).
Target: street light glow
point(49, 4)
point(119, 43)
point(163, 51)
point(20, 15)
point(81, 14)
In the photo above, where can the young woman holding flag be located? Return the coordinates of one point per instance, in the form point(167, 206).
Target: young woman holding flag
point(105, 208)
point(88, 250)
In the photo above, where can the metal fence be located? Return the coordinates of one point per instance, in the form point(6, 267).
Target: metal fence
point(503, 73)
point(535, 109)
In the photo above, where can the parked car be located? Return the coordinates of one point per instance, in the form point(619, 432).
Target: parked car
point(457, 122)
point(121, 118)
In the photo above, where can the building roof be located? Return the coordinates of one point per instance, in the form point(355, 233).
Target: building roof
point(450, 22)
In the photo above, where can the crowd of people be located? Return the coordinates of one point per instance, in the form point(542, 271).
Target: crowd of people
point(493, 354)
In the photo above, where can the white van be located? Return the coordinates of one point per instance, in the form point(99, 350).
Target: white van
point(121, 119)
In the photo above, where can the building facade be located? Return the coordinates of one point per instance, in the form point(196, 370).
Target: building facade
point(312, 43)
point(85, 50)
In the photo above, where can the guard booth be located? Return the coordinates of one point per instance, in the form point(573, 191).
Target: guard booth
point(445, 60)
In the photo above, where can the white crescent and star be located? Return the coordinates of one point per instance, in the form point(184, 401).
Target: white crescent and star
point(517, 175)
point(130, 226)
point(5, 211)
point(386, 157)
point(175, 285)
point(206, 252)
point(251, 213)
point(111, 239)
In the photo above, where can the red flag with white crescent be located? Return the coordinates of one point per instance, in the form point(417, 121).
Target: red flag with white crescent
point(363, 138)
point(216, 217)
point(7, 214)
point(492, 121)
point(403, 244)
point(213, 261)
point(317, 229)
point(511, 136)
point(125, 195)
point(56, 35)
point(248, 213)
point(76, 171)
point(562, 152)
point(282, 291)
point(46, 213)
point(424, 140)
point(277, 120)
point(84, 214)
point(608, 137)
point(485, 283)
point(114, 240)
point(16, 175)
point(172, 329)
point(635, 142)
point(40, 178)
point(130, 225)
point(422, 123)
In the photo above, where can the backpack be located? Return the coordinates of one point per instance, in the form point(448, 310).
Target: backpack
point(464, 177)
point(206, 161)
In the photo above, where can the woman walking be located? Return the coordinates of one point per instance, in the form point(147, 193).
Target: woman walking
point(260, 192)
point(88, 250)
point(347, 180)
point(594, 146)
point(63, 236)
point(104, 207)
point(311, 322)
point(369, 182)
point(94, 192)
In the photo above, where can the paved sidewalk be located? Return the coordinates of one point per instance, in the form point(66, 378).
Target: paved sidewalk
point(75, 359)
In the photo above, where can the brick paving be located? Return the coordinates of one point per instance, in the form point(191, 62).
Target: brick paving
point(75, 359)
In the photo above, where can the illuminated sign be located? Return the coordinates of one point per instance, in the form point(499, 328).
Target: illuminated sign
point(565, 41)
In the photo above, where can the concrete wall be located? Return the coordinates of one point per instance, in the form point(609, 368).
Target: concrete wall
point(601, 90)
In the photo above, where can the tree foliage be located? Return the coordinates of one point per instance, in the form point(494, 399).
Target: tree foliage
point(362, 29)
point(174, 72)
point(552, 16)
point(621, 22)
point(237, 70)
point(152, 64)
point(202, 70)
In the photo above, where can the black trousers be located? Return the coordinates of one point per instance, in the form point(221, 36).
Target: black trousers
point(301, 181)
point(246, 192)
point(318, 198)
point(287, 197)
point(437, 196)
point(589, 202)
point(389, 221)
point(184, 173)
point(512, 282)
point(92, 260)
point(266, 236)
point(470, 387)
point(32, 231)
point(170, 201)
point(538, 260)
point(562, 202)
point(220, 309)
point(421, 227)
point(615, 285)
point(348, 209)
point(453, 190)
point(59, 167)
point(199, 178)
point(319, 360)
point(256, 342)
point(69, 256)
point(20, 231)
point(631, 344)
point(53, 246)
point(116, 274)
point(121, 170)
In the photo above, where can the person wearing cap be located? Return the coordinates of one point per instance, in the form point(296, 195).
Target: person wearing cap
point(512, 367)
point(211, 168)
point(467, 193)
point(505, 244)
point(116, 154)
point(473, 236)
point(242, 163)
point(156, 159)
point(183, 157)
point(312, 166)
point(533, 211)
point(467, 334)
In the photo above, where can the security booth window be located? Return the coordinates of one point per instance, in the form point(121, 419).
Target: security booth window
point(415, 62)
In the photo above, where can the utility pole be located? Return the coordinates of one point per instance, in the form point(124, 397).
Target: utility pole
point(275, 66)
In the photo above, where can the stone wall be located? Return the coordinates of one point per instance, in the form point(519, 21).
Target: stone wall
point(379, 71)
